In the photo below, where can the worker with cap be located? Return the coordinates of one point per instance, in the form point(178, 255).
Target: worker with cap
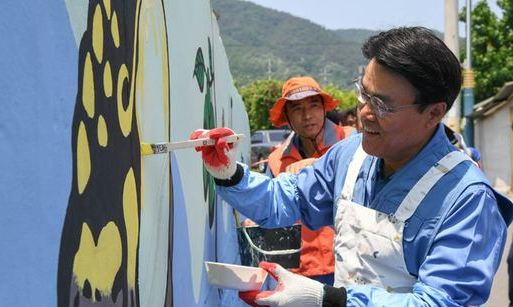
point(302, 107)
point(416, 221)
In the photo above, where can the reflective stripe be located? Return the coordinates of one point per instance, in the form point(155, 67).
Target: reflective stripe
point(352, 173)
point(369, 243)
point(426, 183)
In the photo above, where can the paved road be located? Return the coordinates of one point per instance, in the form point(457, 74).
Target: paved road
point(499, 294)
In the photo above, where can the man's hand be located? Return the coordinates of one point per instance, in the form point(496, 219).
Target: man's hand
point(296, 167)
point(248, 223)
point(292, 290)
point(219, 159)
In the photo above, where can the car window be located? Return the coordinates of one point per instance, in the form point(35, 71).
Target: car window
point(277, 136)
point(257, 137)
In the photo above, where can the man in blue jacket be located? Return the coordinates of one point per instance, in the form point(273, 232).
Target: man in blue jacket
point(416, 221)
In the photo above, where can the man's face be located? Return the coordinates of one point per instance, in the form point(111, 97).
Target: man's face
point(306, 115)
point(398, 136)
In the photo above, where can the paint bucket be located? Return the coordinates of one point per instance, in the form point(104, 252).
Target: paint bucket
point(280, 245)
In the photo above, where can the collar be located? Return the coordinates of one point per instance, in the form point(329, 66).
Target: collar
point(329, 138)
point(438, 140)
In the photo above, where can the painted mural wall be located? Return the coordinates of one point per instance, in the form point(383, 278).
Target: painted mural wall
point(91, 218)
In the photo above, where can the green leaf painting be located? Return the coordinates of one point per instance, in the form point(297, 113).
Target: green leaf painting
point(202, 75)
point(199, 69)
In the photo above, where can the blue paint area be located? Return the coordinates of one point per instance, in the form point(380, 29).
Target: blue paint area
point(226, 251)
point(38, 86)
point(182, 279)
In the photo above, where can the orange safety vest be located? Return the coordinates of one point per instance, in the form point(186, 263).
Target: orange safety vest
point(317, 256)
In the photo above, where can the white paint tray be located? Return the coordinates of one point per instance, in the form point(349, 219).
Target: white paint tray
point(232, 276)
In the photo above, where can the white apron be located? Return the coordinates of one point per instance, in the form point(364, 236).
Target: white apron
point(368, 243)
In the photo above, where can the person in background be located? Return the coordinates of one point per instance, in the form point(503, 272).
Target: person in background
point(349, 118)
point(303, 107)
point(346, 118)
point(457, 140)
point(416, 221)
point(335, 116)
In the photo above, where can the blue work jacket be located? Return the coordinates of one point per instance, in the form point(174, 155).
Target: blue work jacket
point(452, 244)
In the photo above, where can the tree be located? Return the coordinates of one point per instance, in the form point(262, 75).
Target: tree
point(259, 96)
point(492, 45)
point(347, 98)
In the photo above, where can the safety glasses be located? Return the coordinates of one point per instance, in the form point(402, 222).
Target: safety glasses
point(380, 108)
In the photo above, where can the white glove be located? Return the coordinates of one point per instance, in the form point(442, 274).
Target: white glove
point(220, 159)
point(292, 290)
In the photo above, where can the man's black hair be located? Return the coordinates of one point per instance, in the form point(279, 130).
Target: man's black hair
point(420, 57)
point(335, 116)
point(345, 113)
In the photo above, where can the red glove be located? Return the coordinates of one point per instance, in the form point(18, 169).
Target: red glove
point(220, 159)
point(292, 290)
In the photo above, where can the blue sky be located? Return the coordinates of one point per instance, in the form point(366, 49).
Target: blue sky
point(369, 14)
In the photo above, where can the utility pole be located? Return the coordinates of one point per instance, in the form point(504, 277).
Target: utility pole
point(468, 83)
point(451, 39)
point(361, 70)
point(269, 71)
point(325, 74)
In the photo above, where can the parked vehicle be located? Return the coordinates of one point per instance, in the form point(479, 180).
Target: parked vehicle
point(263, 142)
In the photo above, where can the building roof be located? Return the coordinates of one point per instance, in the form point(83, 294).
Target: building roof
point(491, 105)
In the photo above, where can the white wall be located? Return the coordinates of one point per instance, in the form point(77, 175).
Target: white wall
point(493, 139)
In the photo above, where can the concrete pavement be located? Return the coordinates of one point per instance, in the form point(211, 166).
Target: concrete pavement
point(499, 294)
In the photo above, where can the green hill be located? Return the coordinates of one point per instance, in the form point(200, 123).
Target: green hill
point(358, 36)
point(258, 39)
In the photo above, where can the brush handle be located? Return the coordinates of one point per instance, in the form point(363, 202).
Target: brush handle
point(164, 147)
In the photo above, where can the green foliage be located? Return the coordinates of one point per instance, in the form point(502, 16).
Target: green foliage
point(347, 98)
point(492, 45)
point(259, 96)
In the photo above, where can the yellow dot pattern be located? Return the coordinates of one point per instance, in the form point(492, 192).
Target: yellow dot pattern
point(106, 5)
point(130, 212)
point(98, 33)
point(105, 252)
point(103, 135)
point(88, 86)
point(83, 159)
point(98, 263)
point(125, 116)
point(107, 80)
point(115, 30)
